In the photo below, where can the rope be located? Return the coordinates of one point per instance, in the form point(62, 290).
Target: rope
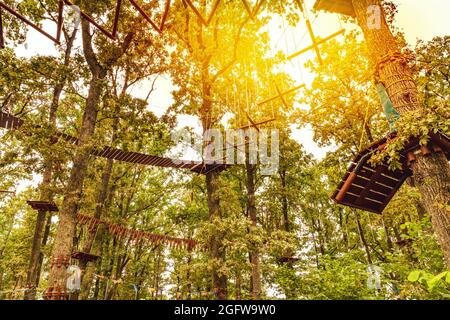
point(391, 56)
point(366, 118)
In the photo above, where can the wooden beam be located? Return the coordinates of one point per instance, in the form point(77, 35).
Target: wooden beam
point(257, 124)
point(318, 42)
point(28, 22)
point(6, 191)
point(159, 28)
point(253, 12)
point(205, 21)
point(94, 23)
point(282, 94)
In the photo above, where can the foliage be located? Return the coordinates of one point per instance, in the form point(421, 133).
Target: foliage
point(308, 247)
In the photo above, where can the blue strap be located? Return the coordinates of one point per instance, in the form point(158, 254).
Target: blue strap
point(391, 114)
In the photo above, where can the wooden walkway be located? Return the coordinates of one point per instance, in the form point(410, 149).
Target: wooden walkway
point(11, 122)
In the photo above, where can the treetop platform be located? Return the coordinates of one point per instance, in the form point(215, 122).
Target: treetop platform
point(83, 256)
point(371, 188)
point(344, 7)
point(46, 206)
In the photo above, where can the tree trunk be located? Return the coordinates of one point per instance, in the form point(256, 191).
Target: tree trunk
point(433, 181)
point(188, 276)
point(30, 294)
point(284, 201)
point(35, 263)
point(66, 225)
point(87, 274)
point(238, 287)
point(212, 186)
point(432, 173)
point(343, 229)
point(252, 214)
point(216, 247)
point(389, 243)
point(99, 208)
point(67, 218)
point(102, 194)
point(48, 225)
point(101, 198)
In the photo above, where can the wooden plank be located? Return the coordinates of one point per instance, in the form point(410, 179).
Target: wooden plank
point(28, 22)
point(350, 200)
point(365, 173)
point(83, 256)
point(91, 20)
point(376, 196)
point(374, 174)
point(387, 179)
point(43, 205)
point(393, 192)
point(362, 181)
point(355, 189)
point(381, 187)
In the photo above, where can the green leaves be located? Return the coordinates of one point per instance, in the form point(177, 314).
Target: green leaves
point(414, 276)
point(439, 283)
point(418, 124)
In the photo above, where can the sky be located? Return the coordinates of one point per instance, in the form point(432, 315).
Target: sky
point(418, 19)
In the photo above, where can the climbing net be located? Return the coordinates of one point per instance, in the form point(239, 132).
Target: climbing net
point(205, 17)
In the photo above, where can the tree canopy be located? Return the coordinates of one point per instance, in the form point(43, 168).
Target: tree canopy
point(246, 234)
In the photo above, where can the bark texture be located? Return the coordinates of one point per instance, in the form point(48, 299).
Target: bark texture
point(212, 186)
point(252, 214)
point(36, 258)
point(432, 173)
point(65, 232)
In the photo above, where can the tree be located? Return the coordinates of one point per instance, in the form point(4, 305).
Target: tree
point(432, 173)
point(66, 225)
point(212, 52)
point(46, 194)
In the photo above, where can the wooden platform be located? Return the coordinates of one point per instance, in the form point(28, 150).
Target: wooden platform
point(372, 188)
point(43, 206)
point(83, 256)
point(10, 122)
point(288, 260)
point(344, 7)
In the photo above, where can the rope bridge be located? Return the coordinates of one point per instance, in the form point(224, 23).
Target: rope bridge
point(120, 232)
point(11, 122)
point(204, 18)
